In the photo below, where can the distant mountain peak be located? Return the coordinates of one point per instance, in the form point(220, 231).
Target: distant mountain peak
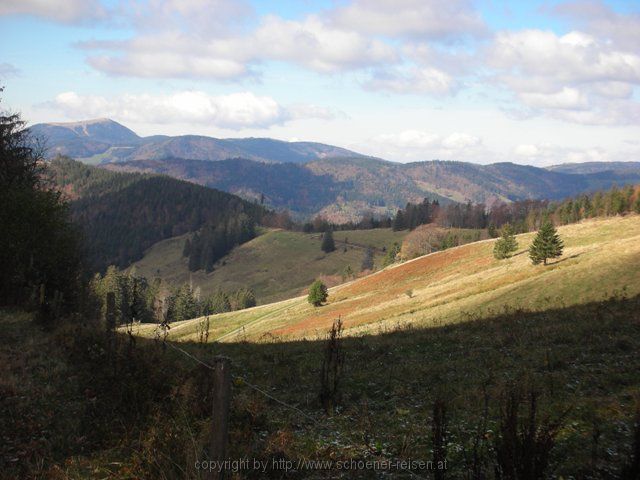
point(103, 140)
point(92, 121)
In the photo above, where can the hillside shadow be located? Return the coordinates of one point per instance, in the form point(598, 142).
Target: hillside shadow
point(578, 359)
point(564, 259)
point(475, 343)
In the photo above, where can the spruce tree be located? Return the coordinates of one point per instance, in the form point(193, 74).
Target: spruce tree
point(317, 293)
point(367, 261)
point(399, 222)
point(547, 244)
point(505, 245)
point(391, 255)
point(328, 245)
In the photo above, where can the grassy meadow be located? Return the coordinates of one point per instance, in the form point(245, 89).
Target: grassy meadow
point(277, 264)
point(601, 258)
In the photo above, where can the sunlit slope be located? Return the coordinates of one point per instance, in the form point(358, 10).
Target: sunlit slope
point(276, 265)
point(601, 257)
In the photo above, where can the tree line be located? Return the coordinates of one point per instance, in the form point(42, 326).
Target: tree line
point(205, 247)
point(522, 215)
point(139, 300)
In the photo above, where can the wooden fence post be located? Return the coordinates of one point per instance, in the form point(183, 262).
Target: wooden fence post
point(220, 417)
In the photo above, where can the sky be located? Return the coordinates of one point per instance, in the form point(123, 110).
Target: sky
point(530, 82)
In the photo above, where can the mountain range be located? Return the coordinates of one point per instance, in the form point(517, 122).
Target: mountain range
point(103, 141)
point(312, 178)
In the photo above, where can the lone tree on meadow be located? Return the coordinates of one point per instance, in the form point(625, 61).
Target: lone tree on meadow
point(505, 245)
point(367, 261)
point(317, 293)
point(328, 245)
point(547, 244)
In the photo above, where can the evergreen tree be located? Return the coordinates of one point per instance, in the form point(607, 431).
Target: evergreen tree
point(367, 261)
point(39, 247)
point(398, 222)
point(217, 303)
point(505, 245)
point(347, 272)
point(547, 244)
point(244, 298)
point(449, 241)
point(328, 245)
point(183, 305)
point(391, 255)
point(318, 293)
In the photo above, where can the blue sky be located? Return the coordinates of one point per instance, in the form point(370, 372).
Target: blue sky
point(531, 82)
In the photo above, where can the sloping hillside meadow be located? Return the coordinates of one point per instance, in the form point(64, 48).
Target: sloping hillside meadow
point(277, 264)
point(601, 258)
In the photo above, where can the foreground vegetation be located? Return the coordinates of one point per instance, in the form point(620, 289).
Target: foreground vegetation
point(75, 410)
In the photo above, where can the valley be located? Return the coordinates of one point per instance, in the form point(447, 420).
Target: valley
point(354, 239)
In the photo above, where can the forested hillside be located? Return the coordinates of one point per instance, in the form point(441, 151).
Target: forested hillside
point(122, 214)
point(344, 189)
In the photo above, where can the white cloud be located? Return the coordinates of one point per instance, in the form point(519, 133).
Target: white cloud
point(65, 11)
point(174, 52)
point(526, 150)
point(550, 154)
point(425, 80)
point(567, 99)
point(574, 77)
point(432, 19)
point(574, 57)
point(598, 19)
point(233, 111)
point(318, 46)
point(414, 145)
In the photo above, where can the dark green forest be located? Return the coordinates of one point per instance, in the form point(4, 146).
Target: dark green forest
point(123, 214)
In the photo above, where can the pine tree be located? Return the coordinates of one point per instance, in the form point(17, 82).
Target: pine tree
point(367, 261)
point(547, 244)
point(244, 298)
point(347, 272)
point(391, 255)
point(505, 245)
point(398, 222)
point(328, 245)
point(317, 293)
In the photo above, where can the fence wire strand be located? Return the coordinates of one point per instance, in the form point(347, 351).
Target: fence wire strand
point(275, 399)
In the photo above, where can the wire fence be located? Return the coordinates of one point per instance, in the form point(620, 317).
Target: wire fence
point(243, 381)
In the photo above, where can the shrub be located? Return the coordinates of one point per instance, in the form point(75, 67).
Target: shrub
point(317, 293)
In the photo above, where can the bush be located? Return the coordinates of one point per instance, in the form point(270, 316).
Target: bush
point(317, 293)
